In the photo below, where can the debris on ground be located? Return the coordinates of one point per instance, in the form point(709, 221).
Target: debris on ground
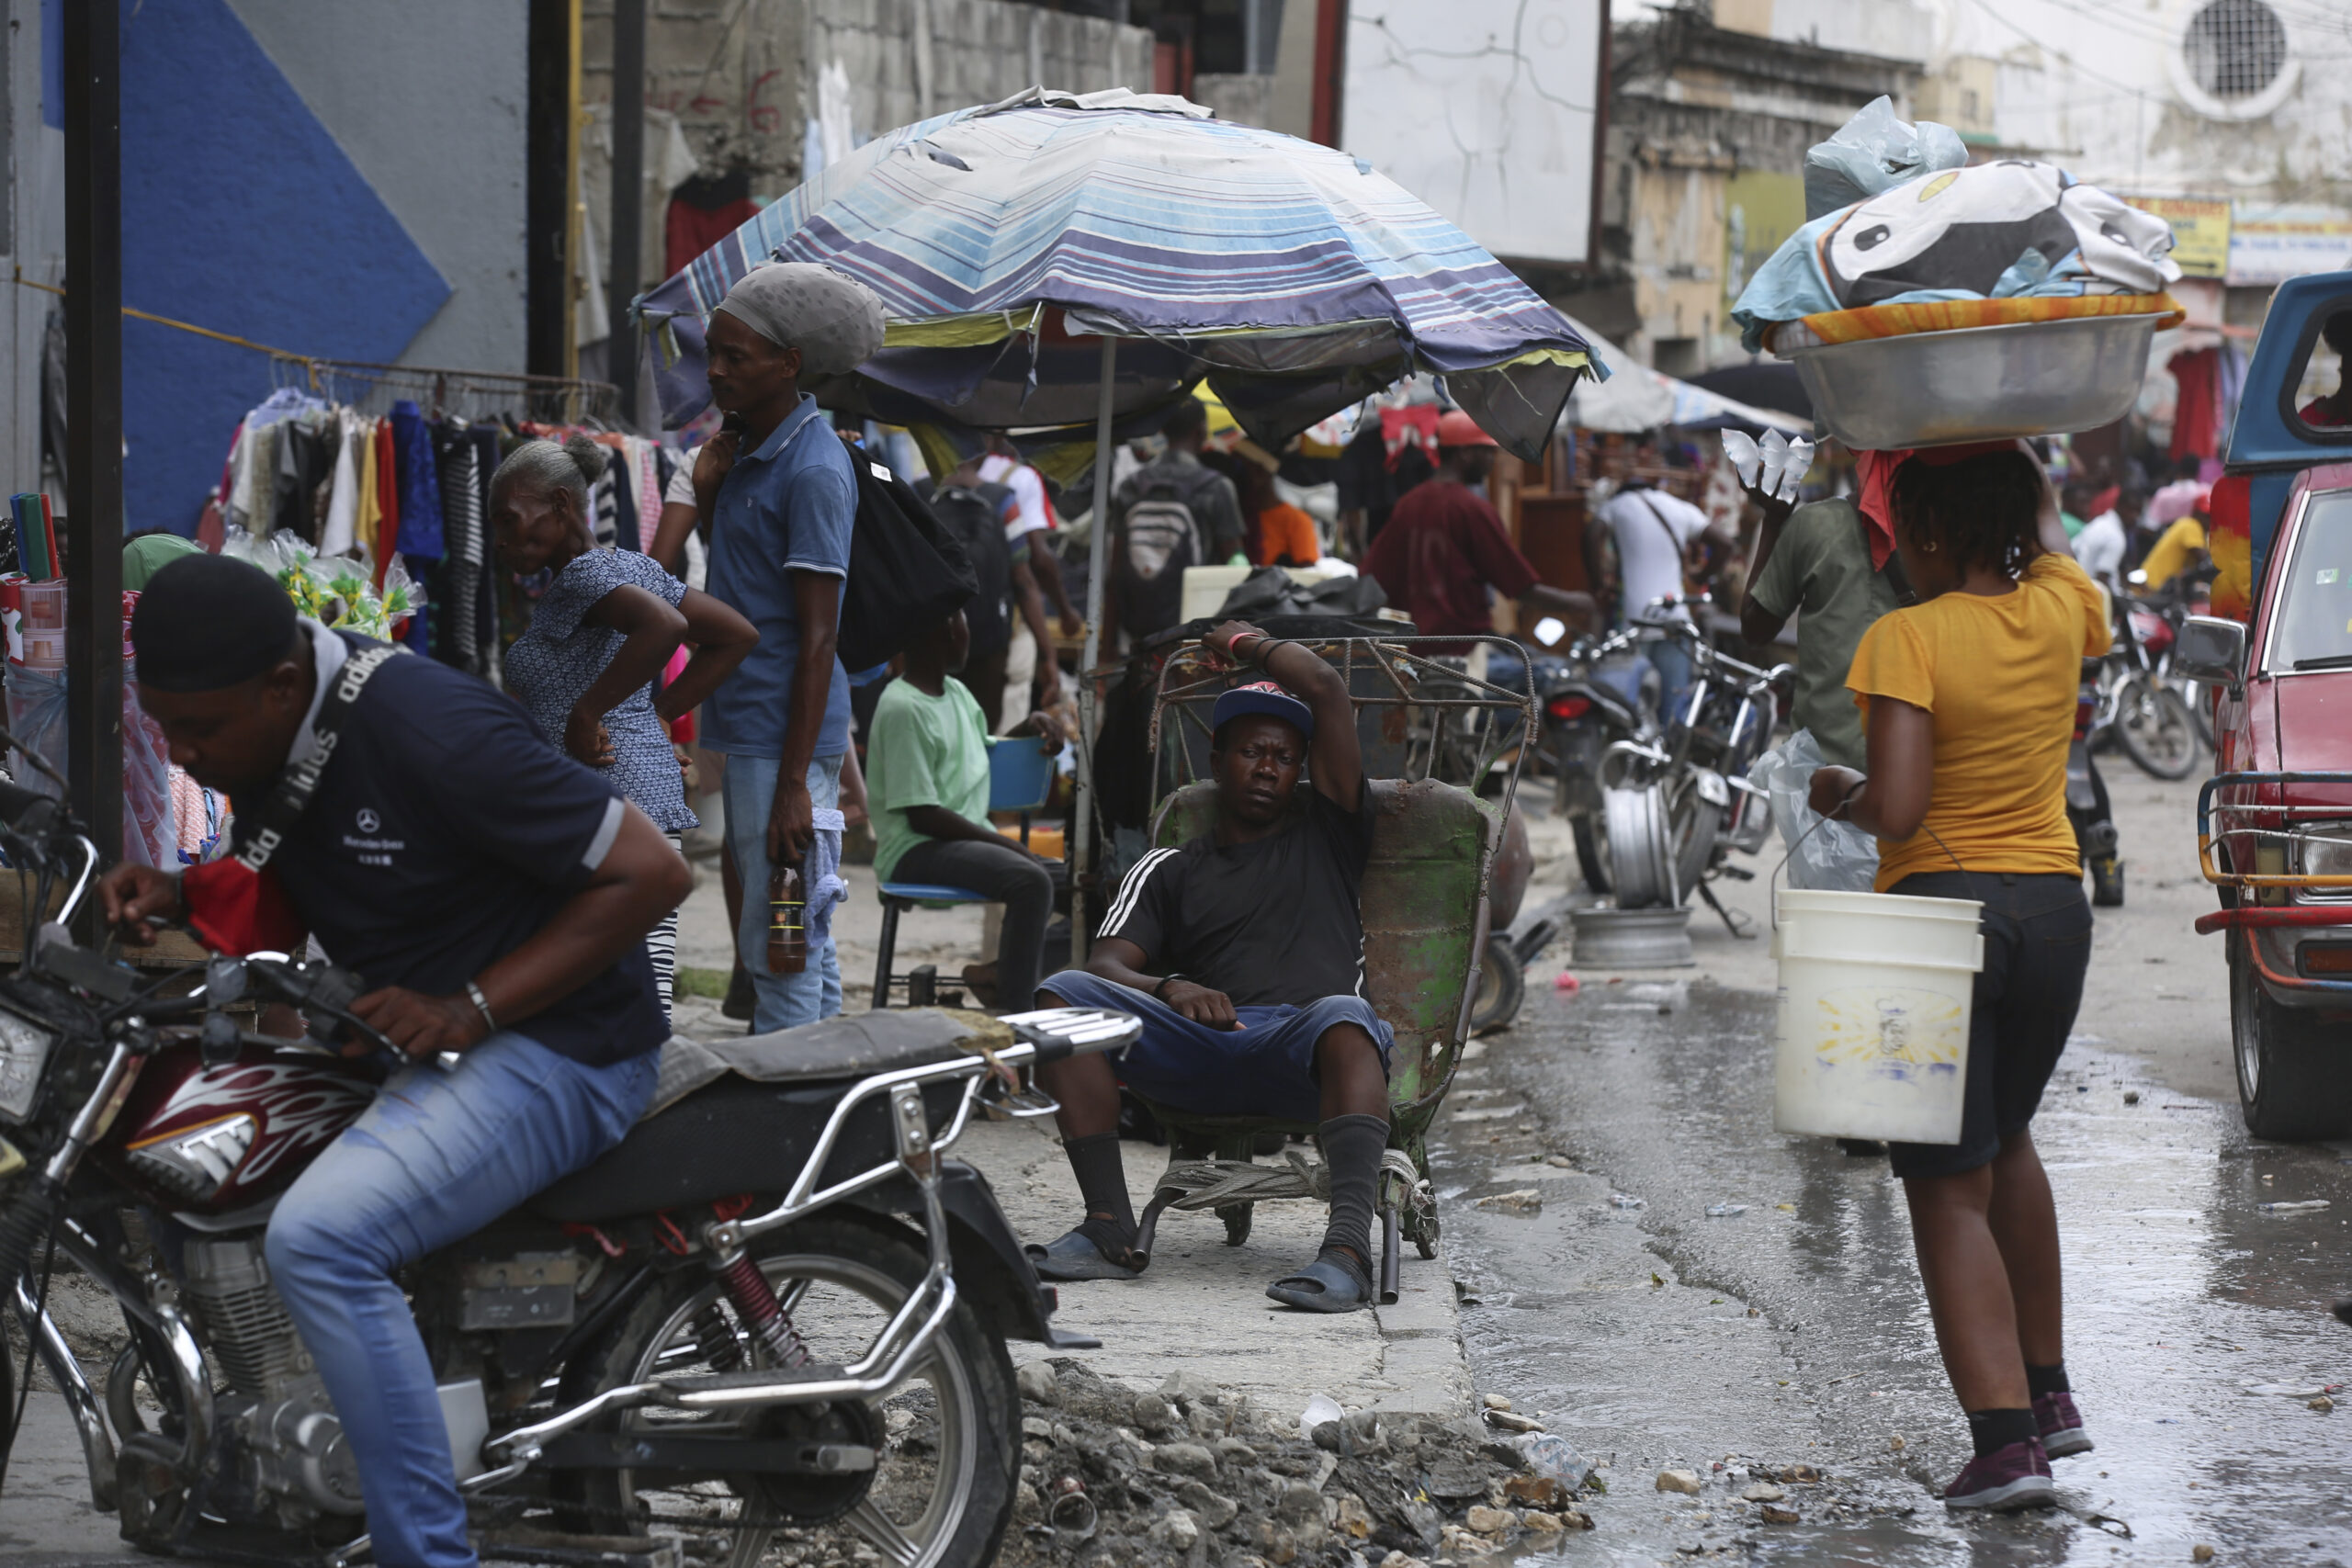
point(1525, 1200)
point(1725, 1211)
point(1223, 1482)
point(1683, 1480)
point(1627, 1200)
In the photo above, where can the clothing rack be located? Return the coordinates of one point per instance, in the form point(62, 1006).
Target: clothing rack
point(372, 387)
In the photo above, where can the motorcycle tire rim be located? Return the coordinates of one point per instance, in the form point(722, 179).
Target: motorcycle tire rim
point(940, 1392)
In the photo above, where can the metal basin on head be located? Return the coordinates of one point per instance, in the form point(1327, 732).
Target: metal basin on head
point(1979, 383)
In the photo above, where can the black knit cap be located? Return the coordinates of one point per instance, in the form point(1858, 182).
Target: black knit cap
point(208, 621)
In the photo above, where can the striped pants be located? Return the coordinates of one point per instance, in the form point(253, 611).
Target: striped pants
point(661, 944)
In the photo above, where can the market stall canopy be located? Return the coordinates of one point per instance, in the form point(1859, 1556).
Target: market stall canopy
point(1635, 397)
point(1294, 276)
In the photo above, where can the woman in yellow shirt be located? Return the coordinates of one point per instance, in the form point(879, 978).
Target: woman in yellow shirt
point(1968, 702)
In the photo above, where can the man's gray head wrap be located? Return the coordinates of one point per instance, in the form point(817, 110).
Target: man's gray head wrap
point(834, 322)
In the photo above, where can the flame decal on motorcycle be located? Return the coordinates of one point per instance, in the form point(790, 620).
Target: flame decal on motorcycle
point(298, 1108)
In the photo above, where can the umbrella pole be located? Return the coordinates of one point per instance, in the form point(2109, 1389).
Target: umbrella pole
point(1097, 550)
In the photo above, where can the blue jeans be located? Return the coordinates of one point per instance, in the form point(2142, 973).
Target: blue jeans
point(438, 1155)
point(1672, 662)
point(1266, 1067)
point(785, 1000)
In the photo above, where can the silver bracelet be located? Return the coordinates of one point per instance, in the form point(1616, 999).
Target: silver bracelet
point(481, 1005)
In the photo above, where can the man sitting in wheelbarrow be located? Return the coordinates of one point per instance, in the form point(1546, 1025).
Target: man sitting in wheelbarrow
point(1258, 1007)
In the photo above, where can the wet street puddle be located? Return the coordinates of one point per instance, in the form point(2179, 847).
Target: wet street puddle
point(1788, 1326)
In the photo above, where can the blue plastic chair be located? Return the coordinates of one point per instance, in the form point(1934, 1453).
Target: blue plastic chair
point(1020, 778)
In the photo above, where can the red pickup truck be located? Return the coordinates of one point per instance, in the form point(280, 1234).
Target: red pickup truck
point(2274, 824)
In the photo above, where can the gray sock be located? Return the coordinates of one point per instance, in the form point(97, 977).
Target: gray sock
point(1352, 1148)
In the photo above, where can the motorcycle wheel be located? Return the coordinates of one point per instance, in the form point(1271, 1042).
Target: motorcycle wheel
point(2155, 729)
point(2198, 701)
point(1502, 986)
point(1691, 829)
point(1592, 852)
point(946, 1441)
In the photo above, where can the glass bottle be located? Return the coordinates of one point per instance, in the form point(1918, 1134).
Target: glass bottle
point(787, 921)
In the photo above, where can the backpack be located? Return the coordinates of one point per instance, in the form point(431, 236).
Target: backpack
point(907, 572)
point(975, 516)
point(1158, 538)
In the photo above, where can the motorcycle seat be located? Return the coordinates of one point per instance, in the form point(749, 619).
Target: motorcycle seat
point(743, 1114)
point(729, 1137)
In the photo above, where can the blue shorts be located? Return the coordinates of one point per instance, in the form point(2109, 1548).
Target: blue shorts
point(1264, 1068)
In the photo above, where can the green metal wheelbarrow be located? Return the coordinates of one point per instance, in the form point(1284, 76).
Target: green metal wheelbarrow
point(1420, 712)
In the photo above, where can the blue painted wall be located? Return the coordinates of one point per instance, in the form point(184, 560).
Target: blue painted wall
point(241, 214)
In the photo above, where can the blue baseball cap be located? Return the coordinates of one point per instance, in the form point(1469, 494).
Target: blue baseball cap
point(1265, 697)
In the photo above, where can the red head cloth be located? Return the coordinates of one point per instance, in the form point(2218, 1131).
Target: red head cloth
point(1413, 426)
point(1877, 469)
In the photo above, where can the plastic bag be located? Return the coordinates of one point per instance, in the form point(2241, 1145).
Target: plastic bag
point(1824, 856)
point(37, 717)
point(1875, 150)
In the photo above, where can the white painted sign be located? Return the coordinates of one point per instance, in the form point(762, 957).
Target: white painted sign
point(1486, 110)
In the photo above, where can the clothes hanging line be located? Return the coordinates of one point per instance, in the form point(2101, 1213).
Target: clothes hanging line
point(560, 398)
point(548, 399)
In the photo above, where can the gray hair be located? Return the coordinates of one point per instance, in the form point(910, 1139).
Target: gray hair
point(542, 468)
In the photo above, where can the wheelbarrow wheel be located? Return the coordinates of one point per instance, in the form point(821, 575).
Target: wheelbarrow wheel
point(1236, 1218)
point(1502, 986)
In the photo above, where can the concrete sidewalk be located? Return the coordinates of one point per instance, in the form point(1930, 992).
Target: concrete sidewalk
point(1202, 1306)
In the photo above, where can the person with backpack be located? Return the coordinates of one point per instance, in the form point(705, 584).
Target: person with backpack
point(980, 516)
point(782, 496)
point(1175, 511)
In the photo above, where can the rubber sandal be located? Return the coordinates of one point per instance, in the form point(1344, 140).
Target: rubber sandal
point(1332, 1283)
point(1072, 1255)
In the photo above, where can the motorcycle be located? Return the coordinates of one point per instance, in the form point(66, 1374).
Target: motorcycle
point(1676, 807)
point(773, 1314)
point(2140, 706)
point(1606, 696)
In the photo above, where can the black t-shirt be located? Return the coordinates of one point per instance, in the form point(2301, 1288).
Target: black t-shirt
point(444, 833)
point(1277, 919)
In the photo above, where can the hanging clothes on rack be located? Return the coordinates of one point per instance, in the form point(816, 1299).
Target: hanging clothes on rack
point(405, 490)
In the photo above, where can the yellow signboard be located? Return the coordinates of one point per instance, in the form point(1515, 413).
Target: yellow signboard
point(2200, 231)
point(1761, 208)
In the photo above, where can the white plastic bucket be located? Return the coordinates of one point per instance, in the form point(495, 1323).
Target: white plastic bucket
point(1875, 991)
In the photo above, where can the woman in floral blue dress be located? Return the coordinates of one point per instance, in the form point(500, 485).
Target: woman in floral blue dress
point(601, 633)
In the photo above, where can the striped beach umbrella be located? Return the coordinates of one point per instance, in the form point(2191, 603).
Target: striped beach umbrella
point(1007, 242)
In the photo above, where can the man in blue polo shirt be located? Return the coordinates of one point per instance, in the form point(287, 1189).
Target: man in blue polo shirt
point(782, 496)
point(494, 895)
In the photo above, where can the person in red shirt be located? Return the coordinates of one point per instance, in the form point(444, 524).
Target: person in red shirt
point(1444, 552)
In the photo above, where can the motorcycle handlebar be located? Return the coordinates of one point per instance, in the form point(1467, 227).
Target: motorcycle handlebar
point(16, 803)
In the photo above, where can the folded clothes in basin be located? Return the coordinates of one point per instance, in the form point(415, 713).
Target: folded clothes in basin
point(2010, 230)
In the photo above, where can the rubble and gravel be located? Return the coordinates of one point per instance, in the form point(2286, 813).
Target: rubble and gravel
point(1192, 1473)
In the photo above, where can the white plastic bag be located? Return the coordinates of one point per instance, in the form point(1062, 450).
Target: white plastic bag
point(1824, 856)
point(1875, 150)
